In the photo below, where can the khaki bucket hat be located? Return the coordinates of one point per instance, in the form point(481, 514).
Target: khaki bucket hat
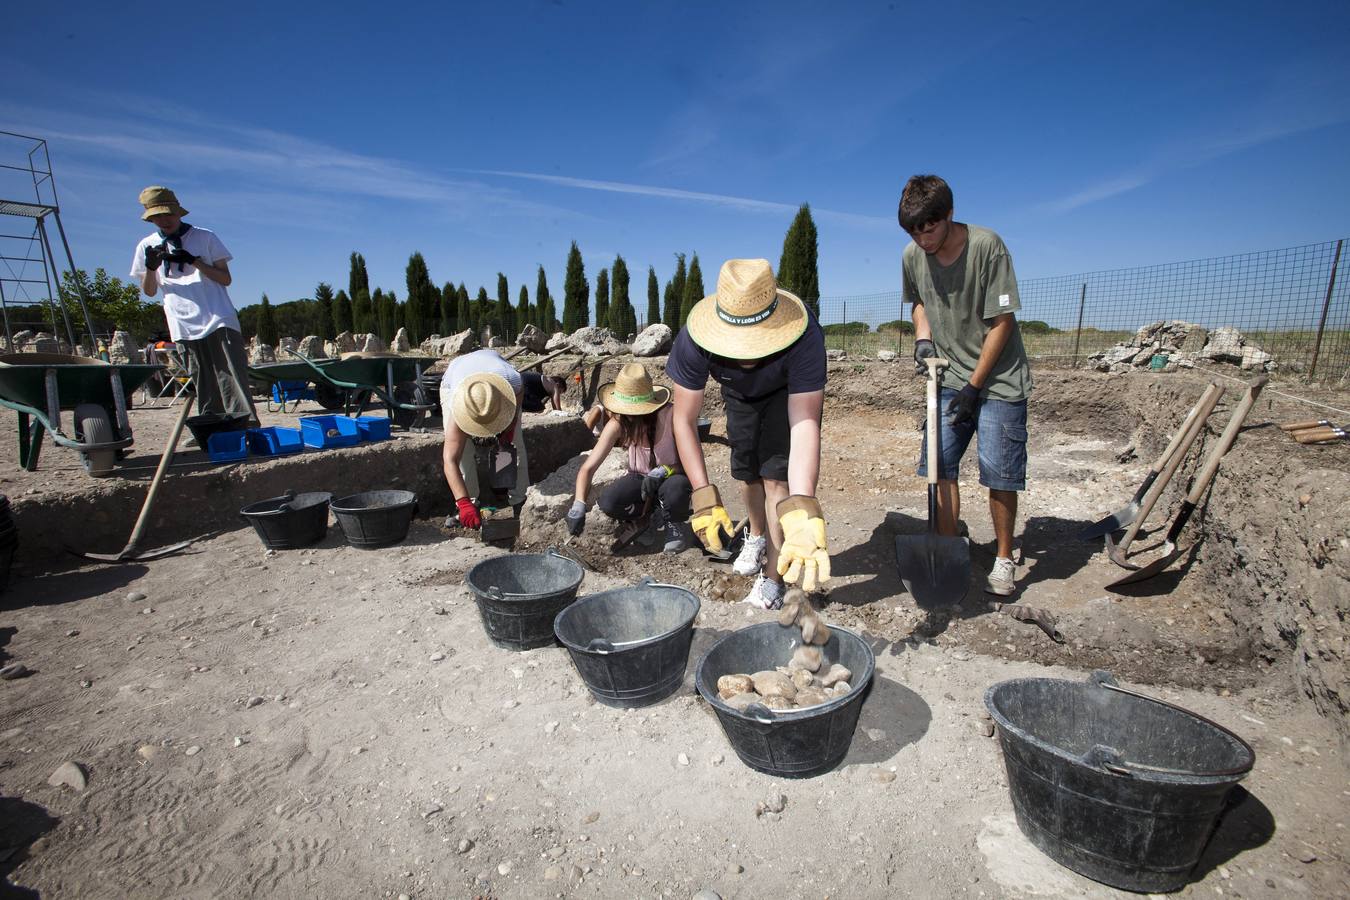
point(159, 200)
point(749, 317)
point(632, 392)
point(483, 405)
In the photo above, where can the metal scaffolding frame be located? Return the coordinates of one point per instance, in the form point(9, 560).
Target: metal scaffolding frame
point(37, 245)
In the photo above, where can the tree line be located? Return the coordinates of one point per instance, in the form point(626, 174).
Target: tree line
point(426, 310)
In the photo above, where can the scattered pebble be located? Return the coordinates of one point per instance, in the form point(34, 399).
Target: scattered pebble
point(431, 809)
point(510, 704)
point(504, 868)
point(72, 632)
point(135, 597)
point(718, 759)
point(70, 774)
point(437, 656)
point(550, 727)
point(683, 759)
point(985, 728)
point(707, 894)
point(238, 741)
point(147, 611)
point(404, 897)
point(193, 750)
point(735, 869)
point(14, 671)
point(465, 845)
point(1307, 856)
point(773, 805)
point(86, 683)
point(147, 752)
point(591, 818)
point(553, 873)
point(884, 777)
point(253, 701)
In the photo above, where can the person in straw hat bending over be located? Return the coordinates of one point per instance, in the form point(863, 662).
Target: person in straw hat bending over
point(192, 266)
point(767, 351)
point(640, 421)
point(481, 393)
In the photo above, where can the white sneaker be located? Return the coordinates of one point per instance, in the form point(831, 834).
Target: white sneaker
point(1002, 580)
point(751, 559)
point(765, 594)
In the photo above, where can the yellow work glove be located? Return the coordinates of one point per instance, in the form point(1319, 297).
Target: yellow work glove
point(710, 519)
point(804, 554)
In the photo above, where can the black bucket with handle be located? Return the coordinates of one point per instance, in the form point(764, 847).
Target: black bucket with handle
point(1118, 786)
point(289, 521)
point(520, 594)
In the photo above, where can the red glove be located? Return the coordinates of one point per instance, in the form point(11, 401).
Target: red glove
point(468, 514)
point(509, 435)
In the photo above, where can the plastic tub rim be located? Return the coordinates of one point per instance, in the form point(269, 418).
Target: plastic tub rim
point(498, 594)
point(709, 693)
point(634, 645)
point(336, 506)
point(1137, 773)
point(245, 511)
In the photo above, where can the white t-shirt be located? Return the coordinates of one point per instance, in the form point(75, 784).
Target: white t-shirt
point(195, 306)
point(480, 361)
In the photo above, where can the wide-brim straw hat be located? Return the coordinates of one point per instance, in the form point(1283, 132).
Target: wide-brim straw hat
point(749, 317)
point(632, 393)
point(483, 404)
point(159, 200)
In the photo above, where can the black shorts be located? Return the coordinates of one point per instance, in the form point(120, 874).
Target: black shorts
point(758, 433)
point(533, 393)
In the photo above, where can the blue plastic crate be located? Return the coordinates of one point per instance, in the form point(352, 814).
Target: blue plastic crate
point(287, 391)
point(227, 446)
point(274, 440)
point(314, 431)
point(373, 428)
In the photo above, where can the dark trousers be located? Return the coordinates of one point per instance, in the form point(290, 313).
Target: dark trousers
point(218, 364)
point(622, 500)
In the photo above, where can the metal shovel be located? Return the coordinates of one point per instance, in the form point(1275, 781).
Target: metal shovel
point(935, 569)
point(1126, 514)
point(1170, 551)
point(129, 553)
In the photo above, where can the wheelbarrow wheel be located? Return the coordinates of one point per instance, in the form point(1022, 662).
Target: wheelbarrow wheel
point(94, 426)
point(329, 397)
point(405, 418)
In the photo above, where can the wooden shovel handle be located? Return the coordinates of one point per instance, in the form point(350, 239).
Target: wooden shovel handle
point(1226, 440)
point(936, 365)
point(1300, 426)
point(1208, 401)
point(1187, 423)
point(1317, 435)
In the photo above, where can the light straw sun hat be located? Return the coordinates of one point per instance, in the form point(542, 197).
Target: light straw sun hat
point(158, 200)
point(749, 317)
point(483, 405)
point(632, 393)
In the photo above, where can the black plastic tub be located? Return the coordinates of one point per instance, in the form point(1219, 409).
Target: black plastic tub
point(793, 743)
point(290, 521)
point(375, 518)
point(1117, 786)
point(630, 645)
point(203, 426)
point(520, 594)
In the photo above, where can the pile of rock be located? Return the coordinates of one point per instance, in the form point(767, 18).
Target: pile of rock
point(654, 340)
point(39, 342)
point(1183, 344)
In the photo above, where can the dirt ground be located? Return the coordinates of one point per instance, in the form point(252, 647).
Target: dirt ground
point(335, 722)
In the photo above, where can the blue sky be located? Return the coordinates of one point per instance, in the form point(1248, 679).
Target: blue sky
point(489, 136)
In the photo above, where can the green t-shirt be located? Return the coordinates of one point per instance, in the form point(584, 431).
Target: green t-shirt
point(962, 301)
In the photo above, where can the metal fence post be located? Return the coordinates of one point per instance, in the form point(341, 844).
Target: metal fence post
point(1326, 303)
point(1078, 332)
point(845, 328)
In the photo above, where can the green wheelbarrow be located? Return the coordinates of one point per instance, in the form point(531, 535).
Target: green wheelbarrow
point(395, 380)
point(327, 395)
point(40, 386)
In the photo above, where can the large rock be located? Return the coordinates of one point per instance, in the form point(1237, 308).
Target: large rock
point(122, 348)
point(559, 341)
point(22, 337)
point(532, 339)
point(887, 355)
point(1194, 341)
point(431, 346)
point(496, 342)
point(312, 347)
point(373, 344)
point(835, 355)
point(259, 353)
point(42, 342)
point(400, 343)
point(548, 501)
point(595, 341)
point(1224, 345)
point(654, 340)
point(457, 344)
point(345, 342)
point(1254, 357)
point(286, 345)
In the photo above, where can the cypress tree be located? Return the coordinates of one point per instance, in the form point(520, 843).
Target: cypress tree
point(653, 297)
point(363, 313)
point(358, 280)
point(482, 311)
point(449, 310)
point(620, 308)
point(693, 290)
point(504, 315)
point(323, 295)
point(464, 316)
point(547, 317)
point(576, 292)
point(523, 310)
point(379, 315)
point(797, 270)
point(267, 324)
point(602, 299)
point(671, 314)
point(342, 313)
point(421, 308)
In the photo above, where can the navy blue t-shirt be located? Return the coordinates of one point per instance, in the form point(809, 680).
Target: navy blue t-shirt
point(800, 368)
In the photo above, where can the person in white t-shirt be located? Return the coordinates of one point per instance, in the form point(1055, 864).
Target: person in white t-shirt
point(481, 398)
point(191, 265)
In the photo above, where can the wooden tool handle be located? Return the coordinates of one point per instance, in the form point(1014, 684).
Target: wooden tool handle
point(1187, 423)
point(1315, 435)
point(1208, 401)
point(1299, 426)
point(1226, 440)
point(935, 367)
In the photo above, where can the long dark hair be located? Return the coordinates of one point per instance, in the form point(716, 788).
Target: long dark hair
point(637, 431)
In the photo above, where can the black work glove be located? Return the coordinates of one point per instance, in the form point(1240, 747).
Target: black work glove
point(923, 349)
point(576, 518)
point(180, 257)
point(154, 256)
point(651, 482)
point(964, 405)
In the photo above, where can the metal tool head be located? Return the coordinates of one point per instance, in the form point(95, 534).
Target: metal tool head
point(129, 553)
point(1114, 522)
point(1117, 554)
point(935, 569)
point(1143, 573)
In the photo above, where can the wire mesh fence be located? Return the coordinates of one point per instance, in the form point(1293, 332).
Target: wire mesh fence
point(1293, 304)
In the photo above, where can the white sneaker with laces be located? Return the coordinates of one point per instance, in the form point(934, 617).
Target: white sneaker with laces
point(751, 558)
point(1002, 579)
point(765, 594)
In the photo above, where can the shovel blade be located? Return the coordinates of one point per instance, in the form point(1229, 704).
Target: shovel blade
point(129, 554)
point(1114, 522)
point(1117, 555)
point(1144, 573)
point(935, 569)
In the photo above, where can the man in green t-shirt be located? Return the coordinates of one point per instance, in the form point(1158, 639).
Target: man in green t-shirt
point(959, 279)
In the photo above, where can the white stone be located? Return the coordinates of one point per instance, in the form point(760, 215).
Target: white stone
point(373, 344)
point(122, 348)
point(532, 339)
point(70, 774)
point(260, 353)
point(345, 343)
point(312, 347)
point(654, 340)
point(559, 341)
point(464, 342)
point(887, 355)
point(400, 342)
point(548, 501)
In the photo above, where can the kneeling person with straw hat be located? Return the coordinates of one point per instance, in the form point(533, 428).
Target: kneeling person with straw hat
point(481, 399)
point(767, 351)
point(654, 491)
